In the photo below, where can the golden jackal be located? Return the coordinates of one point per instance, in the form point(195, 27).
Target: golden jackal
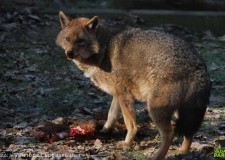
point(143, 65)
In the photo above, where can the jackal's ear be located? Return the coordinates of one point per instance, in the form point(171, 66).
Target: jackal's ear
point(92, 24)
point(64, 19)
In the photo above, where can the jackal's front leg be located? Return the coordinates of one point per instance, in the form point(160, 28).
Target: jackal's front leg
point(128, 111)
point(113, 115)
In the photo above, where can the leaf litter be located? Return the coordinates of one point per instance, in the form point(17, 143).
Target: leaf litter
point(39, 85)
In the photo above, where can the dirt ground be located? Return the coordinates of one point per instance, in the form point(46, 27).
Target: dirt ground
point(39, 84)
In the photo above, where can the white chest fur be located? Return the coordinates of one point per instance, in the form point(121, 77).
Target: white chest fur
point(90, 72)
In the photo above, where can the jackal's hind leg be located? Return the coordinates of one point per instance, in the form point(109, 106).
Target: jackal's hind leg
point(161, 115)
point(185, 147)
point(166, 135)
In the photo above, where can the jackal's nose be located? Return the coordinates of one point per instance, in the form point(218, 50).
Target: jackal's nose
point(70, 54)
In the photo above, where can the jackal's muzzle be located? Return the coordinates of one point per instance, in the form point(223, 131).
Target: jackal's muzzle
point(71, 55)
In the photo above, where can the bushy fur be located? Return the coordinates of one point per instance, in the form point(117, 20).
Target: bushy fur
point(143, 65)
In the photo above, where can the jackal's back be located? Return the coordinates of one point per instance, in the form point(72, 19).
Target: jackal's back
point(152, 50)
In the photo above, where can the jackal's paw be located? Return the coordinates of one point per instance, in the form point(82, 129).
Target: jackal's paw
point(104, 130)
point(123, 144)
point(182, 150)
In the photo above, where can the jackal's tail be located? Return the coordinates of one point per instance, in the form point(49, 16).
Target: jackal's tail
point(191, 113)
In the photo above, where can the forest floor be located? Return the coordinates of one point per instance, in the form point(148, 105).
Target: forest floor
point(38, 83)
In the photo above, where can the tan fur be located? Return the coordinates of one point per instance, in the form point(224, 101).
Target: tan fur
point(144, 65)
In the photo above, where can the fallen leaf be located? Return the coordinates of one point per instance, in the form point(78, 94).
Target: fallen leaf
point(98, 144)
point(199, 146)
point(87, 111)
point(34, 17)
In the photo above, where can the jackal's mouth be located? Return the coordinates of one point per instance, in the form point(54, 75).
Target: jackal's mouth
point(71, 55)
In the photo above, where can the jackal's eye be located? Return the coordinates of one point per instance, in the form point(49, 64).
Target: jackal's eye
point(81, 42)
point(68, 39)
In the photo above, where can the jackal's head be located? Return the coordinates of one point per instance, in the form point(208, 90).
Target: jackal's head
point(78, 37)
